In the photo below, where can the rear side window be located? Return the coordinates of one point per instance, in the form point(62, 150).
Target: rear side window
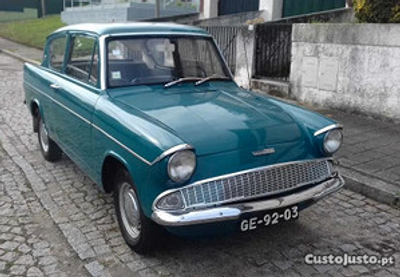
point(82, 63)
point(57, 53)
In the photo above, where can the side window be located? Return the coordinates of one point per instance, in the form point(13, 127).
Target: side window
point(57, 53)
point(83, 63)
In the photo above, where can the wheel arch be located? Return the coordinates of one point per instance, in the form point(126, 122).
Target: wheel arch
point(35, 110)
point(111, 163)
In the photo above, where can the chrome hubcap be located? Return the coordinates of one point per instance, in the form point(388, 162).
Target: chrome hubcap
point(130, 210)
point(44, 137)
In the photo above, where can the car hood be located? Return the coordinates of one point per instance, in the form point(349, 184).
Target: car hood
point(215, 120)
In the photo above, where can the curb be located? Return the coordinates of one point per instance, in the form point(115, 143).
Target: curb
point(371, 187)
point(18, 57)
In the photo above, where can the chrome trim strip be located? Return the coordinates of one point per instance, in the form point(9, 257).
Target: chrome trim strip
point(327, 129)
point(103, 59)
point(134, 34)
point(159, 158)
point(122, 145)
point(58, 103)
point(235, 174)
point(171, 151)
point(88, 122)
point(235, 211)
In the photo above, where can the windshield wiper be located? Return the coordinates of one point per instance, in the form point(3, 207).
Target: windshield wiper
point(181, 80)
point(212, 78)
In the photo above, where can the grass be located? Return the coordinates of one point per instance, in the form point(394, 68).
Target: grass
point(31, 32)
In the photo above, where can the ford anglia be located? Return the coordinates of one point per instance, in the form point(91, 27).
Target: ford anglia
point(151, 113)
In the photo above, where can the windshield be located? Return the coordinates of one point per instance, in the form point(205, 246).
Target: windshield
point(161, 60)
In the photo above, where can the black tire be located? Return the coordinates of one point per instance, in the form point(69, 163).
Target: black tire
point(147, 232)
point(50, 150)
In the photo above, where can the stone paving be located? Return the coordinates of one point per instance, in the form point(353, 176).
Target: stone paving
point(79, 219)
point(370, 156)
point(371, 147)
point(30, 243)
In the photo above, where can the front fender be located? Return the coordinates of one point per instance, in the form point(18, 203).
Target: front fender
point(136, 143)
point(128, 128)
point(312, 121)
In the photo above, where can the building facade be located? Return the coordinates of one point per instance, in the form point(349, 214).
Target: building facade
point(275, 9)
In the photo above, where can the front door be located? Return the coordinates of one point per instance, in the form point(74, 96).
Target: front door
point(78, 92)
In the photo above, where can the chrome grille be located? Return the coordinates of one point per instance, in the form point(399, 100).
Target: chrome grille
point(256, 183)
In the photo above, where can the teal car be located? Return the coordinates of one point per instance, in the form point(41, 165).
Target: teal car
point(151, 113)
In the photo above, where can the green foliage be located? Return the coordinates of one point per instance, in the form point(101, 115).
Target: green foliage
point(31, 32)
point(83, 47)
point(377, 11)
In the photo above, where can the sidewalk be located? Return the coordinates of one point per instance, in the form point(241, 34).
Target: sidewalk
point(369, 158)
point(20, 51)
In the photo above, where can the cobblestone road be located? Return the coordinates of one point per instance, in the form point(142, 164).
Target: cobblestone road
point(53, 218)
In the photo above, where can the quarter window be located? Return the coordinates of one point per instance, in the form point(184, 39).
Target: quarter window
point(83, 59)
point(57, 53)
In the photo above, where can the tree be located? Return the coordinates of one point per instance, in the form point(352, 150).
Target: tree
point(377, 11)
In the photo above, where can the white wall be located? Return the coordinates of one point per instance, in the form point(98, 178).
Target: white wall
point(354, 67)
point(210, 9)
point(273, 8)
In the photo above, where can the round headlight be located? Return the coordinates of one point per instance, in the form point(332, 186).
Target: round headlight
point(181, 166)
point(333, 140)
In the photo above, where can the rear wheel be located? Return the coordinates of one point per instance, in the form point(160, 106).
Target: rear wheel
point(139, 232)
point(50, 150)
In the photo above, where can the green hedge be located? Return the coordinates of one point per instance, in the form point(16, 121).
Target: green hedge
point(377, 11)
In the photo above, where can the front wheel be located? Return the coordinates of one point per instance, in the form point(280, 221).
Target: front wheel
point(139, 232)
point(50, 150)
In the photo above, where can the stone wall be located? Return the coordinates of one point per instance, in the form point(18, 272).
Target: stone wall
point(354, 67)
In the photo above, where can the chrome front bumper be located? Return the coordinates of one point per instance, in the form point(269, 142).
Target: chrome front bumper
point(235, 211)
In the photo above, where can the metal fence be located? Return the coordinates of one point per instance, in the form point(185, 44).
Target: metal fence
point(226, 37)
point(273, 50)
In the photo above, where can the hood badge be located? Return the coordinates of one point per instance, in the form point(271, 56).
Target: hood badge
point(264, 152)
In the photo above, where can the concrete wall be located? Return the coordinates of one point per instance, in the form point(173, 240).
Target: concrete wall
point(354, 67)
point(333, 16)
point(244, 56)
point(274, 9)
point(122, 12)
point(238, 19)
point(6, 16)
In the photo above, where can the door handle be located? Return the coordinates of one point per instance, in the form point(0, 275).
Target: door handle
point(55, 86)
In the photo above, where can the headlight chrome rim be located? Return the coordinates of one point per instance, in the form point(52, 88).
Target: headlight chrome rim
point(170, 166)
point(328, 136)
point(161, 201)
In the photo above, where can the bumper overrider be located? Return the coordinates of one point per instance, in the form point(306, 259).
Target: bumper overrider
point(234, 211)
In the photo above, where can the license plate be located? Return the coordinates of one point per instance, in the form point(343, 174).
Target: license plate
point(269, 218)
